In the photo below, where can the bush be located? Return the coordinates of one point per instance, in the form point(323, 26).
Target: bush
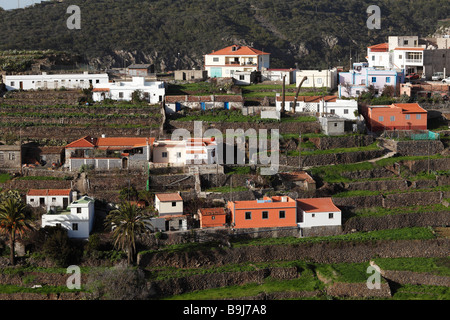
point(58, 247)
point(118, 283)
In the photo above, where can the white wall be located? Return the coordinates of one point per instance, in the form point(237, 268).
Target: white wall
point(54, 81)
point(319, 219)
point(317, 78)
point(166, 207)
point(50, 201)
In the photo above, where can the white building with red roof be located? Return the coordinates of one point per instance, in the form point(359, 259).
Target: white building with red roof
point(318, 212)
point(106, 153)
point(49, 198)
point(224, 63)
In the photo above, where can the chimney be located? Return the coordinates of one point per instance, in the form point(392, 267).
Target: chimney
point(103, 135)
point(74, 195)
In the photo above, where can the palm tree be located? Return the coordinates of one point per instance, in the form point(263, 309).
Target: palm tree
point(128, 223)
point(14, 220)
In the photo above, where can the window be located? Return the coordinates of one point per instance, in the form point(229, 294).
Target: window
point(31, 200)
point(53, 199)
point(380, 118)
point(174, 204)
point(120, 94)
point(97, 81)
point(330, 215)
point(282, 214)
point(164, 154)
point(407, 117)
point(12, 83)
point(265, 215)
point(345, 111)
point(418, 116)
point(75, 226)
point(213, 217)
point(78, 210)
point(313, 215)
point(335, 124)
point(373, 58)
point(248, 216)
point(12, 156)
point(388, 79)
point(216, 59)
point(374, 79)
point(178, 154)
point(358, 92)
point(392, 118)
point(332, 111)
point(241, 77)
point(405, 42)
point(400, 56)
point(319, 81)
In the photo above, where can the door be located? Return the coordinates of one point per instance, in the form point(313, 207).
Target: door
point(226, 105)
point(177, 106)
point(216, 72)
point(21, 85)
point(125, 163)
point(65, 203)
point(203, 106)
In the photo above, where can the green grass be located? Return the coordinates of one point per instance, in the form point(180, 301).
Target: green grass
point(380, 211)
point(422, 292)
point(10, 289)
point(4, 177)
point(437, 266)
point(238, 170)
point(415, 233)
point(334, 173)
point(373, 146)
point(226, 189)
point(306, 282)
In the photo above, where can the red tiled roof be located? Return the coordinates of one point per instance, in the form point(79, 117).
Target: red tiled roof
point(410, 107)
point(308, 98)
point(89, 142)
point(85, 142)
point(382, 47)
point(317, 205)
point(211, 211)
point(166, 197)
point(48, 192)
point(100, 90)
point(240, 51)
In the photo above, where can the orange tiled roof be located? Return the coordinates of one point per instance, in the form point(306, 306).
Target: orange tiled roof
point(410, 107)
point(308, 98)
point(100, 90)
point(410, 49)
point(240, 51)
point(382, 47)
point(165, 197)
point(89, 142)
point(317, 205)
point(212, 211)
point(48, 192)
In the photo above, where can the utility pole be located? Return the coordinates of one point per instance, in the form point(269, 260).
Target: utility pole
point(283, 95)
point(299, 150)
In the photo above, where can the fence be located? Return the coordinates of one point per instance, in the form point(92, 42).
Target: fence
point(410, 135)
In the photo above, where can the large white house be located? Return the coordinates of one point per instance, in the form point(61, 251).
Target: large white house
point(54, 81)
point(401, 53)
point(318, 105)
point(49, 198)
point(151, 91)
point(224, 63)
point(183, 152)
point(318, 212)
point(78, 219)
point(317, 78)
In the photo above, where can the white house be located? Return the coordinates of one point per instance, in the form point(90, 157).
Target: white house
point(278, 74)
point(78, 219)
point(49, 198)
point(326, 105)
point(401, 53)
point(55, 81)
point(182, 152)
point(318, 212)
point(317, 78)
point(225, 62)
point(169, 204)
point(151, 91)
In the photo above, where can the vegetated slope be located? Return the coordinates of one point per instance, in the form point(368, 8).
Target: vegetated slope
point(176, 34)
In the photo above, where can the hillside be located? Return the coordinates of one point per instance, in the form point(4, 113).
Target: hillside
point(311, 34)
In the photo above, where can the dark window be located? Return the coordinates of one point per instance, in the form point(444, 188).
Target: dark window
point(248, 216)
point(282, 214)
point(265, 215)
point(75, 226)
point(174, 204)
